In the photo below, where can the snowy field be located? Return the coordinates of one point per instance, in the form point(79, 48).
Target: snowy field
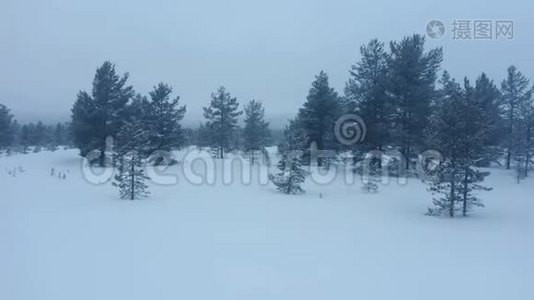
point(68, 239)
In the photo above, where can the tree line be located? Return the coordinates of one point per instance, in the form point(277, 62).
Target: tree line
point(409, 107)
point(408, 103)
point(34, 137)
point(146, 129)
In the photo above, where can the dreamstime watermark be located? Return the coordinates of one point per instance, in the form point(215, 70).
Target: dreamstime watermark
point(472, 29)
point(350, 129)
point(199, 167)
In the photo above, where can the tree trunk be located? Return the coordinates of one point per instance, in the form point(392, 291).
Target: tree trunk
point(380, 158)
point(102, 158)
point(132, 187)
point(452, 196)
point(527, 160)
point(289, 182)
point(464, 208)
point(451, 200)
point(510, 138)
point(407, 152)
point(508, 158)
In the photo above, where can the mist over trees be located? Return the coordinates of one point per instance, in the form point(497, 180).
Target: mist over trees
point(459, 131)
point(134, 147)
point(164, 116)
point(290, 174)
point(19, 138)
point(412, 79)
point(517, 108)
point(366, 94)
point(7, 133)
point(318, 116)
point(256, 134)
point(113, 103)
point(393, 87)
point(100, 115)
point(221, 125)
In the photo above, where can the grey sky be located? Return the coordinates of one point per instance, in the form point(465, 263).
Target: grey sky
point(268, 50)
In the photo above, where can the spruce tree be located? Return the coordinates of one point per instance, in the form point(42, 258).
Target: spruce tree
point(256, 134)
point(97, 117)
point(519, 159)
point(164, 117)
point(523, 143)
point(202, 136)
point(61, 134)
point(16, 129)
point(370, 181)
point(489, 99)
point(222, 116)
point(458, 132)
point(366, 91)
point(294, 136)
point(83, 122)
point(38, 136)
point(290, 174)
point(24, 138)
point(516, 97)
point(130, 155)
point(319, 114)
point(412, 80)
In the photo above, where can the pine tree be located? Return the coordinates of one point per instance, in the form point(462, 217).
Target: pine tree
point(256, 133)
point(131, 154)
point(38, 136)
point(290, 174)
point(412, 80)
point(97, 117)
point(6, 128)
point(50, 139)
point(61, 134)
point(523, 143)
point(294, 136)
point(458, 131)
point(202, 136)
point(489, 99)
point(366, 91)
point(516, 97)
point(222, 116)
point(164, 117)
point(518, 156)
point(370, 182)
point(83, 124)
point(473, 149)
point(131, 178)
point(319, 114)
point(16, 129)
point(24, 138)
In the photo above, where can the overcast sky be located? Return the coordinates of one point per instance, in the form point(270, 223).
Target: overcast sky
point(268, 50)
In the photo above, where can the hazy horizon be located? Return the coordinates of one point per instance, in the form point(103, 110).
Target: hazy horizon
point(265, 51)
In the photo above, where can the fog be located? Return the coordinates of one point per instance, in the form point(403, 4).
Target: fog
point(268, 50)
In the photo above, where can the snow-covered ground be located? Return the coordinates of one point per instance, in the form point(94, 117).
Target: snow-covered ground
point(69, 239)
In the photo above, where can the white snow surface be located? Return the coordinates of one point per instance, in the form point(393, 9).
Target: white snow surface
point(69, 239)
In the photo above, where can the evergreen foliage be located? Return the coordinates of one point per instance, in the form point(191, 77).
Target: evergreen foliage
point(222, 116)
point(256, 134)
